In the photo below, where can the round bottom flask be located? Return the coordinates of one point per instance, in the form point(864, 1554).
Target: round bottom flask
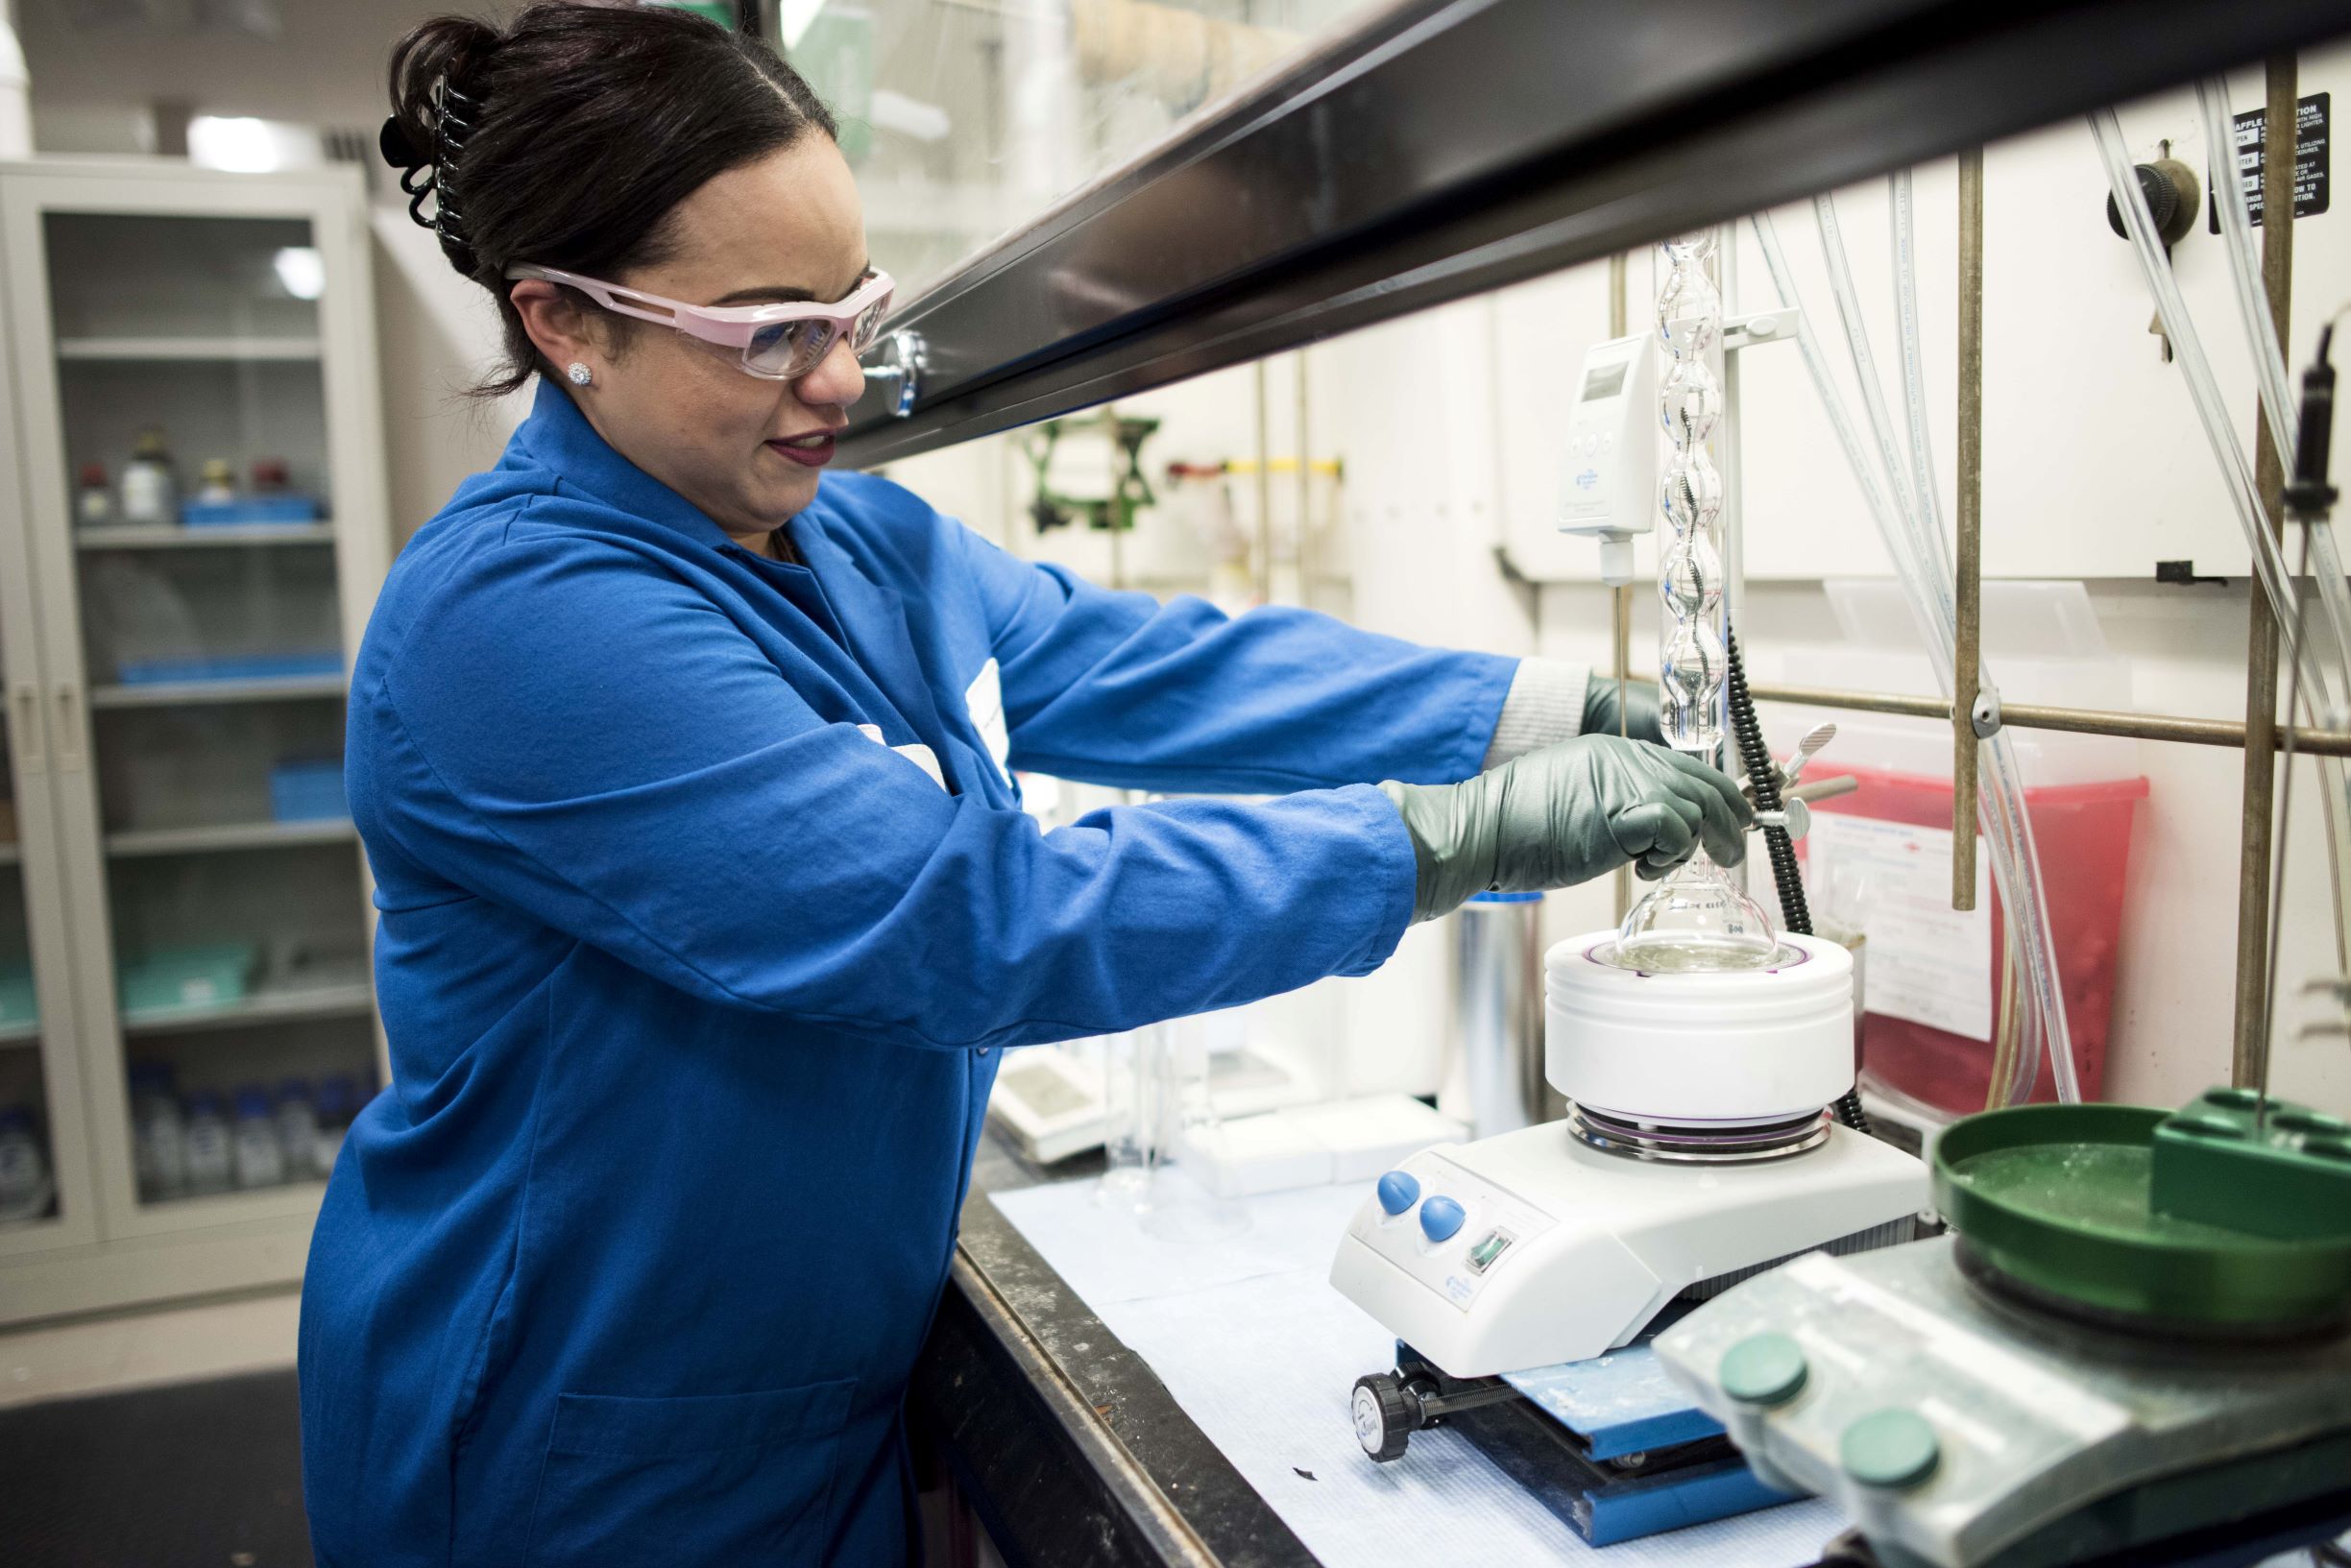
point(1695, 921)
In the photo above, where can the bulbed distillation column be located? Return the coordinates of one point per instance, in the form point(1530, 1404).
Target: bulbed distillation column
point(1697, 919)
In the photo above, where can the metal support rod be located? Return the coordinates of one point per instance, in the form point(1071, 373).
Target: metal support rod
point(1734, 507)
point(1969, 652)
point(2020, 715)
point(2254, 846)
point(1305, 485)
point(1728, 448)
point(1265, 488)
point(1620, 599)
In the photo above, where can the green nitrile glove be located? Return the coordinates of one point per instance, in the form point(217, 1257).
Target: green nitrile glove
point(1565, 814)
point(1603, 697)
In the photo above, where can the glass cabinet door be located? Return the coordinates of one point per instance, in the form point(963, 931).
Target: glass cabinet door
point(191, 474)
point(42, 1201)
point(46, 1196)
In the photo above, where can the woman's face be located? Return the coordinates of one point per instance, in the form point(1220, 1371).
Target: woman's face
point(745, 452)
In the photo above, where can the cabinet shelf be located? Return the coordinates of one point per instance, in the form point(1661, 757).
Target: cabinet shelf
point(150, 349)
point(20, 1035)
point(170, 537)
point(177, 693)
point(227, 835)
point(247, 1203)
point(263, 1006)
point(10, 852)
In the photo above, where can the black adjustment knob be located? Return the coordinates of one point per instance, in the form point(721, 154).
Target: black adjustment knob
point(1385, 1414)
point(2169, 188)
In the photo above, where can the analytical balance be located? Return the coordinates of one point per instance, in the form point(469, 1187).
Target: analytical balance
point(2136, 1348)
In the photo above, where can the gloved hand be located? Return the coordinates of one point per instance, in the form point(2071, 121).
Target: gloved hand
point(1563, 815)
point(1603, 697)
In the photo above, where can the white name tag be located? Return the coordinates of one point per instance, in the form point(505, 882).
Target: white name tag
point(984, 701)
point(918, 754)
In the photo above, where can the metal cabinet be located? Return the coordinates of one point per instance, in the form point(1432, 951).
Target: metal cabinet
point(184, 906)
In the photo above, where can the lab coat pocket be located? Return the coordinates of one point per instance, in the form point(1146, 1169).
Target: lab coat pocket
point(704, 1479)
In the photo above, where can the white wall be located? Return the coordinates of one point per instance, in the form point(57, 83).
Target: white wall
point(2094, 463)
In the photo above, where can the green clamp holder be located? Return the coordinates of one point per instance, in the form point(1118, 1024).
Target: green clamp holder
point(2282, 1171)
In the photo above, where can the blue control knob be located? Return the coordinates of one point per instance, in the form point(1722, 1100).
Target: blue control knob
point(1398, 1191)
point(1440, 1219)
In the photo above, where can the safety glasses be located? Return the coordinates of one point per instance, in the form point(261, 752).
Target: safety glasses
point(778, 343)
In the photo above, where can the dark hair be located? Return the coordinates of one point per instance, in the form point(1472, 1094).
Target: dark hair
point(568, 140)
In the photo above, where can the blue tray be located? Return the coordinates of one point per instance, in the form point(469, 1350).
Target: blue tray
point(1579, 1415)
point(240, 667)
point(1620, 1403)
point(250, 511)
point(308, 791)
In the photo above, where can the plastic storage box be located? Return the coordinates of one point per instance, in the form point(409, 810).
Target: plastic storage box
point(250, 511)
point(18, 1006)
point(237, 666)
point(308, 790)
point(2083, 832)
point(168, 979)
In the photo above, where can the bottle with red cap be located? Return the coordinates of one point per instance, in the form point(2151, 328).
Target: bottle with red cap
point(93, 497)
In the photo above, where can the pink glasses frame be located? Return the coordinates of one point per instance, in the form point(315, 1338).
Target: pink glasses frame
point(738, 326)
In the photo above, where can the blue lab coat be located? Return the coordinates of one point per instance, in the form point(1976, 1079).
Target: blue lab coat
point(696, 991)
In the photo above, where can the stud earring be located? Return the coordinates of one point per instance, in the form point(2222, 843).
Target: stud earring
point(579, 374)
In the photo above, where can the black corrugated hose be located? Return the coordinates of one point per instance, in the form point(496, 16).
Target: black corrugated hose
point(1763, 775)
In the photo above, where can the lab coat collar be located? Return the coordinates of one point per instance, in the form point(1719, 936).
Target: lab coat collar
point(558, 437)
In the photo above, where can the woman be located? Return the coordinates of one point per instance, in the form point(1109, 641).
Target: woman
point(706, 902)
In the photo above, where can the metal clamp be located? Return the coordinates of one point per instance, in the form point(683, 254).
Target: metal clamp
point(905, 358)
point(1985, 716)
point(1814, 740)
point(1761, 326)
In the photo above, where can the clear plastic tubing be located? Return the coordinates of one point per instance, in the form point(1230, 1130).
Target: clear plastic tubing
point(2043, 997)
point(1914, 369)
point(2245, 267)
point(2269, 361)
point(1924, 597)
point(2187, 351)
point(2278, 408)
point(2014, 869)
point(1865, 368)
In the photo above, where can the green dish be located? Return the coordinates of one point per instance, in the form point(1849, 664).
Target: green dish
point(2055, 1198)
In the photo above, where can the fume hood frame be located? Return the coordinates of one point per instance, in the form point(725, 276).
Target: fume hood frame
point(1434, 149)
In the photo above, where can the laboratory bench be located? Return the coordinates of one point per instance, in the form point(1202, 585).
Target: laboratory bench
point(1064, 1442)
point(1065, 1445)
